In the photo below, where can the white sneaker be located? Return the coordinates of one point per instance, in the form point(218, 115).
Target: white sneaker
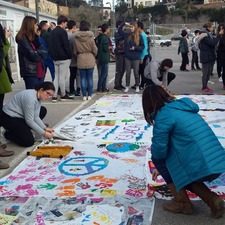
point(137, 90)
point(89, 98)
point(84, 98)
point(126, 90)
point(220, 79)
point(211, 82)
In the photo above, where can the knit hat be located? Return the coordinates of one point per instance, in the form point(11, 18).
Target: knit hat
point(183, 33)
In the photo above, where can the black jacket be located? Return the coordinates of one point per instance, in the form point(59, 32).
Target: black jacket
point(28, 57)
point(207, 49)
point(59, 46)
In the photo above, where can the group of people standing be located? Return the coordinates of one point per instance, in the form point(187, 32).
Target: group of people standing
point(210, 45)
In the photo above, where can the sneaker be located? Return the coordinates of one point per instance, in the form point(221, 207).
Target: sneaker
point(77, 93)
point(133, 87)
point(66, 97)
point(137, 90)
point(220, 79)
point(122, 86)
point(118, 88)
point(211, 82)
point(84, 98)
point(3, 165)
point(72, 95)
point(54, 99)
point(126, 90)
point(141, 87)
point(101, 92)
point(89, 98)
point(107, 91)
point(207, 91)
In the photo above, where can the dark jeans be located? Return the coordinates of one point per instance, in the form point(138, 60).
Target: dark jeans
point(48, 62)
point(170, 77)
point(160, 165)
point(73, 74)
point(141, 71)
point(30, 82)
point(194, 61)
point(120, 70)
point(185, 61)
point(102, 78)
point(207, 69)
point(17, 129)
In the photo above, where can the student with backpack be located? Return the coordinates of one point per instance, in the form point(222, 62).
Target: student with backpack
point(194, 50)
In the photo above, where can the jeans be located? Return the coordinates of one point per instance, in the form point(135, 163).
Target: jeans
point(30, 82)
point(185, 61)
point(194, 61)
point(160, 165)
point(207, 69)
point(48, 62)
point(17, 129)
point(102, 78)
point(141, 71)
point(86, 81)
point(73, 74)
point(120, 69)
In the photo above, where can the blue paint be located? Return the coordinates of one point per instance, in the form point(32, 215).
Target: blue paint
point(122, 147)
point(81, 166)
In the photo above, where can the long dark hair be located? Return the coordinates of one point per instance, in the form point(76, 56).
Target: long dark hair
point(27, 28)
point(153, 99)
point(2, 34)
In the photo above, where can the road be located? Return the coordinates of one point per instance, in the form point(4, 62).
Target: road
point(185, 83)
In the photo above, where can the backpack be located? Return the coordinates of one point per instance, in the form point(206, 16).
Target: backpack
point(194, 45)
point(121, 46)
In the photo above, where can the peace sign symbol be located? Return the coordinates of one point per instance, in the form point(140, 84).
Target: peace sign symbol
point(80, 166)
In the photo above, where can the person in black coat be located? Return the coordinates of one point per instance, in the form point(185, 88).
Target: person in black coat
point(207, 43)
point(59, 48)
point(31, 53)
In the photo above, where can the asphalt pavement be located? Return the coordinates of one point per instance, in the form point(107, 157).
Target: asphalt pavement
point(185, 83)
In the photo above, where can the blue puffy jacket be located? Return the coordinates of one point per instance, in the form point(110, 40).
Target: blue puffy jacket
point(186, 142)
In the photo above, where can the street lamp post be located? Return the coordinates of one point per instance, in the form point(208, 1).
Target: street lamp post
point(37, 10)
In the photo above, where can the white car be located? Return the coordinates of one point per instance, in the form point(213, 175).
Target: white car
point(160, 40)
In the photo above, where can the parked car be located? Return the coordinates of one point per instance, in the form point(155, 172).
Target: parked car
point(160, 40)
point(176, 37)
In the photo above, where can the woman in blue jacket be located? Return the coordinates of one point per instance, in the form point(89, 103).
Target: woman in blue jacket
point(184, 149)
point(134, 45)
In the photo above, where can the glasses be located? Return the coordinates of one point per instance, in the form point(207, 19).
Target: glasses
point(49, 94)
